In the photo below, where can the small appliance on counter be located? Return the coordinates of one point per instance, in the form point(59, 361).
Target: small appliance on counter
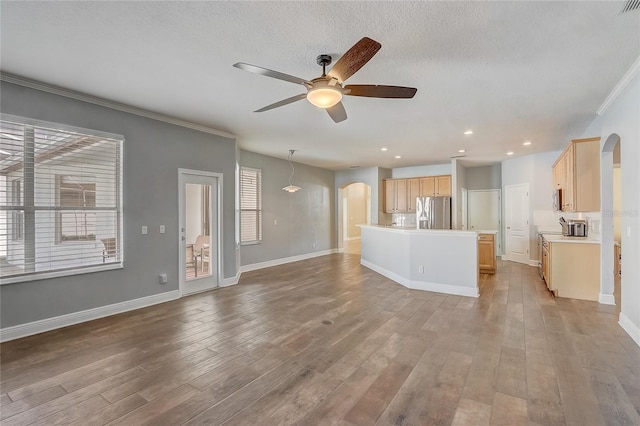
point(574, 227)
point(433, 213)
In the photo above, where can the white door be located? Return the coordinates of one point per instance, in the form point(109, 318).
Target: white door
point(200, 235)
point(517, 222)
point(483, 213)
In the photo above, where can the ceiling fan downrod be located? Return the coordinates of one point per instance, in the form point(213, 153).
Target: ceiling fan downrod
point(323, 61)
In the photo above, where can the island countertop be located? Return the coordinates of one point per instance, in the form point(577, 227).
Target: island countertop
point(457, 232)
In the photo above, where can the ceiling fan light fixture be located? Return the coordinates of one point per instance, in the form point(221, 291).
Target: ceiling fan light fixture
point(324, 96)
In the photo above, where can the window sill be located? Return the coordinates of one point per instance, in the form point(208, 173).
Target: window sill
point(251, 243)
point(63, 273)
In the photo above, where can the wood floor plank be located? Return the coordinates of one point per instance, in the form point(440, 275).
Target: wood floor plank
point(326, 341)
point(111, 411)
point(509, 410)
point(371, 405)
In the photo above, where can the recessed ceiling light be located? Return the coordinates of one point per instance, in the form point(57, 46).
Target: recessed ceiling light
point(468, 132)
point(510, 153)
point(383, 149)
point(398, 156)
point(526, 143)
point(461, 151)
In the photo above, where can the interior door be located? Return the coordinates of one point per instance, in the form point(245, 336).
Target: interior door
point(483, 213)
point(200, 231)
point(517, 222)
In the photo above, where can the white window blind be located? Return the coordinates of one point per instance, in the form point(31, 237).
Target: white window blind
point(60, 200)
point(250, 205)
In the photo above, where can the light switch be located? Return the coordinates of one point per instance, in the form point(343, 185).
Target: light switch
point(144, 230)
point(162, 229)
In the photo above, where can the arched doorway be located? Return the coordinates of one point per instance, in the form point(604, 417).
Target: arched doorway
point(354, 209)
point(609, 214)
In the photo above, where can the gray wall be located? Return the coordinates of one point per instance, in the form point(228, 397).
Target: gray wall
point(305, 219)
point(485, 177)
point(153, 152)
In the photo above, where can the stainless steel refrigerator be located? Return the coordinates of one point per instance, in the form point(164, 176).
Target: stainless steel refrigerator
point(433, 213)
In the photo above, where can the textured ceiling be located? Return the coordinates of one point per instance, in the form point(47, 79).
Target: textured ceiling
point(511, 71)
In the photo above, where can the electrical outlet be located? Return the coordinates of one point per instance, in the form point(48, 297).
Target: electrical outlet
point(162, 229)
point(163, 278)
point(421, 269)
point(144, 230)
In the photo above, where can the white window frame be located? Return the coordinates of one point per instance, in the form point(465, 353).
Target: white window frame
point(258, 210)
point(33, 276)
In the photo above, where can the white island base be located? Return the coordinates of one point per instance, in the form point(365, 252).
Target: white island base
point(444, 261)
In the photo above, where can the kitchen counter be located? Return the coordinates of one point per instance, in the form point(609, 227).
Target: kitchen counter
point(440, 260)
point(554, 238)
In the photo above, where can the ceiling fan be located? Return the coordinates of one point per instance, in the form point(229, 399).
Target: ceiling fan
point(327, 90)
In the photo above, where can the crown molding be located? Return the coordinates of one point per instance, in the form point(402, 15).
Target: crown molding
point(49, 88)
point(622, 84)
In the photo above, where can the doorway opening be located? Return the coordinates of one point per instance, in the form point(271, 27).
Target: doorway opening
point(355, 205)
point(485, 213)
point(200, 231)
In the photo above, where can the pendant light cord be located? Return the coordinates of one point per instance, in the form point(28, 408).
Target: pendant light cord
point(291, 151)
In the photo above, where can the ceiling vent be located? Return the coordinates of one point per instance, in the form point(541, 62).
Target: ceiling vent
point(458, 156)
point(630, 6)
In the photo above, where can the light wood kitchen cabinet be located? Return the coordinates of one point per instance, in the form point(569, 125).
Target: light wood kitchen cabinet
point(413, 190)
point(577, 173)
point(395, 196)
point(400, 194)
point(572, 269)
point(435, 186)
point(545, 264)
point(486, 253)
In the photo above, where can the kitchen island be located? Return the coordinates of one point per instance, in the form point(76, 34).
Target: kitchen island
point(444, 261)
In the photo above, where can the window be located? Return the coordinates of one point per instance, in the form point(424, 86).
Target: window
point(80, 223)
point(17, 217)
point(61, 203)
point(250, 205)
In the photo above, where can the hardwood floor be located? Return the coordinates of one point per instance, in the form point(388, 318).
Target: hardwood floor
point(327, 341)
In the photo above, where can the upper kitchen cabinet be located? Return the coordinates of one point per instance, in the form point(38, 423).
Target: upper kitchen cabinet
point(395, 196)
point(400, 194)
point(577, 174)
point(435, 186)
point(413, 192)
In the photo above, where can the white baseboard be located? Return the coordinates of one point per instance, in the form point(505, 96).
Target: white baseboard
point(352, 238)
point(340, 250)
point(423, 285)
point(282, 261)
point(533, 262)
point(631, 329)
point(607, 299)
point(40, 326)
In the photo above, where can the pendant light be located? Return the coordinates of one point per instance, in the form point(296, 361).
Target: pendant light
point(290, 187)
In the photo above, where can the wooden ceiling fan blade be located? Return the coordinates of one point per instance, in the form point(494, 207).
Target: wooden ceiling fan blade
point(380, 91)
point(270, 73)
point(337, 112)
point(283, 102)
point(354, 59)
